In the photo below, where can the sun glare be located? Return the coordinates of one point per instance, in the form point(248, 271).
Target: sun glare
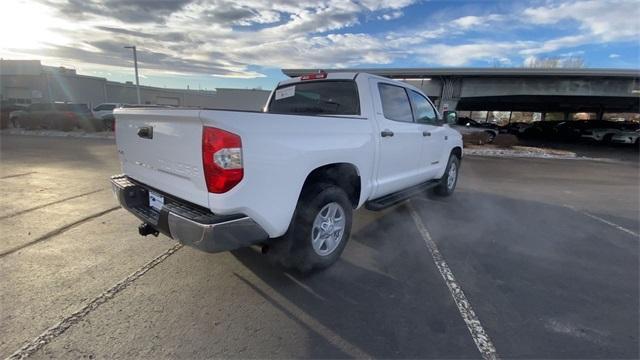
point(27, 25)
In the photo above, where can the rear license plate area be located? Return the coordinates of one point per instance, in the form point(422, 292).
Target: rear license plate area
point(156, 200)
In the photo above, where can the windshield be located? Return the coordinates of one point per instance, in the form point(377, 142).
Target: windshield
point(317, 97)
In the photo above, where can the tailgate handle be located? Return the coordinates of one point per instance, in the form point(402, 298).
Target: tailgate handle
point(145, 132)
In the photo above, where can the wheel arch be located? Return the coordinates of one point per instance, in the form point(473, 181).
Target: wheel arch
point(457, 151)
point(344, 175)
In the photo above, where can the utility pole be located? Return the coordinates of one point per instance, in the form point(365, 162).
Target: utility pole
point(135, 65)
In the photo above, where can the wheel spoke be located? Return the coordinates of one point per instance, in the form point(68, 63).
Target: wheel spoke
point(333, 209)
point(316, 237)
point(330, 241)
point(324, 214)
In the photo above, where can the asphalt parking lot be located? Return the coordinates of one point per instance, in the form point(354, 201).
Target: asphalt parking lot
point(546, 253)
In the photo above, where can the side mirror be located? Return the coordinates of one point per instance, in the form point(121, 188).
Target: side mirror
point(451, 117)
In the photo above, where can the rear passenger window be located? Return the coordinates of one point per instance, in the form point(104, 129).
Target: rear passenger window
point(395, 103)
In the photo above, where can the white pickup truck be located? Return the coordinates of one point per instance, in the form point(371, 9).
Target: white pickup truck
point(287, 178)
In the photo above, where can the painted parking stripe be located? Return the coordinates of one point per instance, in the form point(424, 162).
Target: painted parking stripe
point(49, 204)
point(58, 329)
point(17, 175)
point(621, 228)
point(55, 232)
point(293, 311)
point(480, 337)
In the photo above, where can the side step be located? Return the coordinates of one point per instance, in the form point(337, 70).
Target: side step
point(400, 196)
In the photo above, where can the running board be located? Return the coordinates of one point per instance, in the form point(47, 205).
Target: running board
point(400, 196)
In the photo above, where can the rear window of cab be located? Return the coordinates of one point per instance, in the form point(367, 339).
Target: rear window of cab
point(324, 97)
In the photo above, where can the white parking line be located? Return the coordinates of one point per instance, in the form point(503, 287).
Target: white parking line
point(480, 337)
point(58, 329)
point(289, 308)
point(621, 228)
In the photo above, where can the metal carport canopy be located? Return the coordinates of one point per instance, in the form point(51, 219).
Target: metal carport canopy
point(403, 73)
point(541, 103)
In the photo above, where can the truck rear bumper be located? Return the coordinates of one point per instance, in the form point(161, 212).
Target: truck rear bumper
point(185, 222)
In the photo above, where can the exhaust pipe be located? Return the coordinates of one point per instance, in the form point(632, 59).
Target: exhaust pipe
point(145, 229)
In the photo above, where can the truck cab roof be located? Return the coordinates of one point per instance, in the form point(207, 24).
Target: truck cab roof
point(345, 76)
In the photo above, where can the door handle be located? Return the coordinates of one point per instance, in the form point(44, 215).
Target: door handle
point(426, 133)
point(145, 132)
point(386, 133)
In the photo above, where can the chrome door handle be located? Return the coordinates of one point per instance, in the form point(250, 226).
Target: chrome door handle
point(386, 133)
point(426, 133)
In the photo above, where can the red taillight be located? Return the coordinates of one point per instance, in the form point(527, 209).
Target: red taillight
point(314, 76)
point(221, 159)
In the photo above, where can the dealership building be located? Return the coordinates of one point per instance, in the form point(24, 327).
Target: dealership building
point(28, 81)
point(553, 94)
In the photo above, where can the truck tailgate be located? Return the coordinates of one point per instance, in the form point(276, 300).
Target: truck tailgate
point(162, 148)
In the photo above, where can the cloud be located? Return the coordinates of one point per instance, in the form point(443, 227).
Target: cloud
point(233, 38)
point(221, 37)
point(123, 10)
point(606, 20)
point(469, 22)
point(391, 16)
point(557, 44)
point(460, 55)
point(614, 56)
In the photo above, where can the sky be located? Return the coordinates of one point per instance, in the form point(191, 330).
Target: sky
point(206, 44)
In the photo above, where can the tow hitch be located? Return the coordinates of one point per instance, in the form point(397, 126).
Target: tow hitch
point(145, 229)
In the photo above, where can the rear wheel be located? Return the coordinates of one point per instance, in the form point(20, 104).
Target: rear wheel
point(449, 180)
point(607, 138)
point(319, 231)
point(492, 136)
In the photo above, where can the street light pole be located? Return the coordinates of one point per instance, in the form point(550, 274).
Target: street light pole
point(135, 64)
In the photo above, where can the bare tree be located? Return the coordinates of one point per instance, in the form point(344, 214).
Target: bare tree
point(555, 62)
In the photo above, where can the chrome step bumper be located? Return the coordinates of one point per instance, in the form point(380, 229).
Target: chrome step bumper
point(187, 223)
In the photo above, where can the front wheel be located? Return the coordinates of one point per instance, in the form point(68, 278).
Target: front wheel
point(319, 231)
point(449, 180)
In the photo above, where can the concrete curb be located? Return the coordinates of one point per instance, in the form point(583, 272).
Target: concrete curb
point(58, 133)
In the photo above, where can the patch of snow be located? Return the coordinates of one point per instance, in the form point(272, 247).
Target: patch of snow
point(521, 152)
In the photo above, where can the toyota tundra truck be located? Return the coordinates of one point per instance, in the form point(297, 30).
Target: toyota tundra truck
point(287, 178)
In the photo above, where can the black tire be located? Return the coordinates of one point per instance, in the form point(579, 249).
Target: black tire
point(295, 248)
point(445, 188)
point(606, 139)
point(109, 123)
point(492, 136)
